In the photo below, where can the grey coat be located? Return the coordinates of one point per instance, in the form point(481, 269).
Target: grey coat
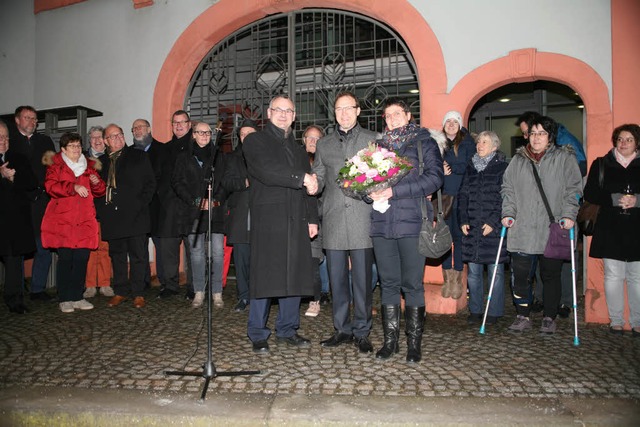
point(345, 221)
point(562, 182)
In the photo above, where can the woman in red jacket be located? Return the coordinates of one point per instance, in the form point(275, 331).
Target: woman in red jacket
point(69, 224)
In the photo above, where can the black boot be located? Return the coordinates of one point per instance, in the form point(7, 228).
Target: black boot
point(391, 329)
point(414, 319)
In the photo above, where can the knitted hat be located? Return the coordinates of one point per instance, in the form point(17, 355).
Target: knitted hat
point(452, 115)
point(248, 123)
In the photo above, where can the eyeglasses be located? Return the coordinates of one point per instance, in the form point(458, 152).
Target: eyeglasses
point(541, 133)
point(114, 136)
point(347, 109)
point(629, 139)
point(288, 111)
point(202, 132)
point(4, 138)
point(181, 122)
point(74, 146)
point(393, 115)
point(30, 119)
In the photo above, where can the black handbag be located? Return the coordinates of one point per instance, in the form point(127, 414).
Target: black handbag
point(434, 241)
point(588, 212)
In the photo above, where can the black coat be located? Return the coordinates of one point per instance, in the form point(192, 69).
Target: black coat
point(157, 153)
point(189, 182)
point(281, 212)
point(128, 213)
point(479, 203)
point(34, 149)
point(615, 236)
point(234, 183)
point(16, 228)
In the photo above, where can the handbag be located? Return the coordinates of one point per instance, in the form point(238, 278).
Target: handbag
point(447, 204)
point(558, 243)
point(434, 241)
point(588, 212)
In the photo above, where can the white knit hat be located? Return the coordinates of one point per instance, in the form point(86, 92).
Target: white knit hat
point(452, 115)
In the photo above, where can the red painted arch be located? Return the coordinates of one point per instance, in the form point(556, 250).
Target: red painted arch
point(231, 15)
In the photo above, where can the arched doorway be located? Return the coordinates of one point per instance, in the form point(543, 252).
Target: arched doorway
point(309, 54)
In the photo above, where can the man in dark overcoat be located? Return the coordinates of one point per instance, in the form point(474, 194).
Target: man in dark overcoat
point(124, 213)
point(16, 231)
point(283, 218)
point(33, 145)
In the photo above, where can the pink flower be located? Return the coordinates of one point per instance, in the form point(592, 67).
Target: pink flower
point(361, 178)
point(392, 171)
point(379, 178)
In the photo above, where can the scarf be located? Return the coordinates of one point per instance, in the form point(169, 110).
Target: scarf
point(78, 167)
point(202, 154)
point(95, 153)
point(534, 156)
point(399, 137)
point(624, 161)
point(481, 163)
point(111, 179)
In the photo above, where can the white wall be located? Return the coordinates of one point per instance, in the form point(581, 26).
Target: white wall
point(106, 55)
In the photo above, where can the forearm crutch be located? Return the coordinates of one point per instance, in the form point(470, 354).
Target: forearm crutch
point(503, 232)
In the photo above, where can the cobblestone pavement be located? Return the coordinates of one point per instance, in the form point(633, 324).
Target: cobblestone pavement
point(124, 348)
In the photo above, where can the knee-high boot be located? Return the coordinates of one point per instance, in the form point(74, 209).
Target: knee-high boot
point(391, 329)
point(414, 319)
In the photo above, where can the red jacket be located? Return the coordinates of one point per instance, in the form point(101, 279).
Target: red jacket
point(70, 220)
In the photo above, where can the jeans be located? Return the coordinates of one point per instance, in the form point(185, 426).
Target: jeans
point(615, 273)
point(475, 283)
point(41, 265)
point(401, 269)
point(197, 245)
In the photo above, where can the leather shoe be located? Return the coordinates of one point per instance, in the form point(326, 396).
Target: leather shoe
point(337, 339)
point(115, 301)
point(261, 346)
point(294, 340)
point(167, 293)
point(139, 302)
point(18, 308)
point(564, 311)
point(616, 331)
point(364, 345)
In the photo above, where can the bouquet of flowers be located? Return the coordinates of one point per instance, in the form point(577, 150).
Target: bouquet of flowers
point(372, 169)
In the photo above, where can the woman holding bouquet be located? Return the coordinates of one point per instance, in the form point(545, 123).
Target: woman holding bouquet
point(395, 232)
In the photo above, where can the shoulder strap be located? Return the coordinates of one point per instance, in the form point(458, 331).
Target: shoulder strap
point(423, 203)
point(601, 172)
point(544, 196)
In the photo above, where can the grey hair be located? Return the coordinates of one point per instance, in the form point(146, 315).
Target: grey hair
point(93, 129)
point(495, 140)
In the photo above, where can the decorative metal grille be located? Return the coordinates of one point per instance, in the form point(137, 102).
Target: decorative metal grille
point(310, 55)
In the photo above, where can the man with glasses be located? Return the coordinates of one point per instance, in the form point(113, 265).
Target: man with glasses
point(124, 214)
point(346, 226)
point(33, 145)
point(283, 219)
point(167, 228)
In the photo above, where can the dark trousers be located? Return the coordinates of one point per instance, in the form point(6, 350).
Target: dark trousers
point(41, 265)
point(133, 248)
point(401, 270)
point(71, 273)
point(169, 254)
point(523, 267)
point(338, 264)
point(13, 279)
point(287, 322)
point(241, 259)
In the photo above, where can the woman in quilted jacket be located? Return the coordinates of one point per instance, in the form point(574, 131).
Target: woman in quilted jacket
point(69, 224)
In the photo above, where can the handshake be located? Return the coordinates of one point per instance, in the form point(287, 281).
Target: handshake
point(311, 183)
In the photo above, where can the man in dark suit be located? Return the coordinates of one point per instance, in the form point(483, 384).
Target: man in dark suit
point(124, 214)
point(283, 219)
point(33, 145)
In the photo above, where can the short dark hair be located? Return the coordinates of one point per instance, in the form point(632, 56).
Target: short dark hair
point(548, 124)
point(69, 137)
point(527, 117)
point(22, 108)
point(351, 95)
point(632, 128)
point(396, 101)
point(180, 113)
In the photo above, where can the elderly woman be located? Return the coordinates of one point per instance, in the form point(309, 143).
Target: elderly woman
point(189, 181)
point(460, 148)
point(525, 214)
point(395, 232)
point(16, 230)
point(69, 223)
point(479, 213)
point(617, 231)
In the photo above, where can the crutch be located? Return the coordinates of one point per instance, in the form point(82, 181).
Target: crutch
point(572, 235)
point(503, 232)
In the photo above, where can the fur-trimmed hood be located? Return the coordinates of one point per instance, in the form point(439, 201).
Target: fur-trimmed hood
point(48, 160)
point(440, 138)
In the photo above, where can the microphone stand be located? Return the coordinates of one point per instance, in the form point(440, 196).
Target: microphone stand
point(209, 369)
